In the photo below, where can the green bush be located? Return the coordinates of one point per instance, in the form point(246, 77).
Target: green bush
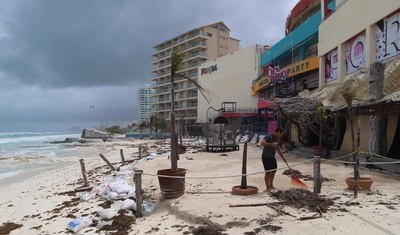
point(116, 130)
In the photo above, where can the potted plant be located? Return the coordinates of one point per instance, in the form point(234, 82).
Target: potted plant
point(320, 150)
point(348, 91)
point(173, 187)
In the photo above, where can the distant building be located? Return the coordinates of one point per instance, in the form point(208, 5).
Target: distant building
point(144, 95)
point(201, 44)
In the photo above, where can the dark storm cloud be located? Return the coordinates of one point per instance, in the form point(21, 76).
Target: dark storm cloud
point(77, 53)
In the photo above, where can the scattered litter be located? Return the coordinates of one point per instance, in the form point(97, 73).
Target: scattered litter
point(79, 223)
point(147, 207)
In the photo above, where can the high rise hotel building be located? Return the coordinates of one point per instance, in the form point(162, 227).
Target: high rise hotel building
point(144, 96)
point(201, 44)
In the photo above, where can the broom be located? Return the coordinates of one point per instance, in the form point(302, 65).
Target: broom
point(296, 181)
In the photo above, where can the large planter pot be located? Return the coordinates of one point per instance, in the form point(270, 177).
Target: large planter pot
point(321, 151)
point(172, 187)
point(363, 183)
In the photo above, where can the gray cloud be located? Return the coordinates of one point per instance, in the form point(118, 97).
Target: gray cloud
point(59, 57)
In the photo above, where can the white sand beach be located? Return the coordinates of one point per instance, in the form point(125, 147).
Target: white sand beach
point(45, 202)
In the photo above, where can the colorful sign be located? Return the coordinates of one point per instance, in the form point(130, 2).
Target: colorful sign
point(275, 74)
point(388, 37)
point(331, 65)
point(355, 53)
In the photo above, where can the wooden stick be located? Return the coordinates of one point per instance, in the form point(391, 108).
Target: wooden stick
point(122, 157)
point(85, 181)
point(108, 163)
point(316, 216)
point(262, 204)
point(247, 205)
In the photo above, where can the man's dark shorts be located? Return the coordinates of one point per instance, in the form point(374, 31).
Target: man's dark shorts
point(269, 163)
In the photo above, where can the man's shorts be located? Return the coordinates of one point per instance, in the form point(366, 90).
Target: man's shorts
point(269, 163)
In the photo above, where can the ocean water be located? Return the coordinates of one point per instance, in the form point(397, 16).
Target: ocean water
point(21, 151)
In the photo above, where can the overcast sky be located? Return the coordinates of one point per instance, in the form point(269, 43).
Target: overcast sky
point(59, 57)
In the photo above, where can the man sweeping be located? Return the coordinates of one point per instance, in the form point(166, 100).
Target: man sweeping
point(270, 143)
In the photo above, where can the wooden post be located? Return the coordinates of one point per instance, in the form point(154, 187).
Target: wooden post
point(138, 192)
point(243, 184)
point(108, 163)
point(122, 157)
point(85, 181)
point(140, 151)
point(317, 174)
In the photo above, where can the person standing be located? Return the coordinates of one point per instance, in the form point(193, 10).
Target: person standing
point(270, 143)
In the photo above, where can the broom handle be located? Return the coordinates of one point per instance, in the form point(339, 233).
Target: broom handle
point(284, 159)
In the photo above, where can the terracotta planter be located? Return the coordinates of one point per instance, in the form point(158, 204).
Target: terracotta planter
point(246, 191)
point(321, 151)
point(171, 187)
point(363, 183)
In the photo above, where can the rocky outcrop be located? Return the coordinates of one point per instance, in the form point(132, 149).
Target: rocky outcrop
point(93, 133)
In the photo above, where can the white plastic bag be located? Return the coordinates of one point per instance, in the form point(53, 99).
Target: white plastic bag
point(86, 196)
point(148, 207)
point(79, 223)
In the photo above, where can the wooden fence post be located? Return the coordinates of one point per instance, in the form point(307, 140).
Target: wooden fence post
point(122, 157)
point(85, 181)
point(108, 163)
point(138, 192)
point(317, 174)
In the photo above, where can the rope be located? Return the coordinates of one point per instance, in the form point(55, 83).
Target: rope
point(226, 176)
point(366, 163)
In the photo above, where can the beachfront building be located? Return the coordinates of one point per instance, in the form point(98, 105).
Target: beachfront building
point(227, 81)
point(352, 38)
point(201, 44)
point(144, 110)
point(291, 65)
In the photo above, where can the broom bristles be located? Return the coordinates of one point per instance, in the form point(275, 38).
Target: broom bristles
point(298, 182)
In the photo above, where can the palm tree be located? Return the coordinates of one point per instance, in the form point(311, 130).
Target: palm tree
point(177, 57)
point(141, 126)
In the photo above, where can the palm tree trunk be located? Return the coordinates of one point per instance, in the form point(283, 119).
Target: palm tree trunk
point(174, 139)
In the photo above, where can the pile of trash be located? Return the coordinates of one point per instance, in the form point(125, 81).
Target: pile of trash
point(117, 190)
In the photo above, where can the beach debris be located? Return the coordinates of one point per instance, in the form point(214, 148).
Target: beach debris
point(301, 198)
point(121, 223)
point(79, 223)
point(7, 227)
point(189, 158)
point(206, 230)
